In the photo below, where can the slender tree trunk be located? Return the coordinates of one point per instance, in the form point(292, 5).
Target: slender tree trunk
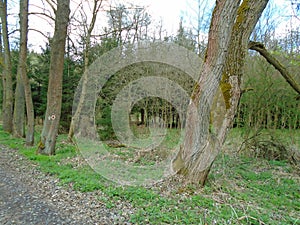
point(54, 95)
point(231, 26)
point(7, 105)
point(23, 71)
point(19, 107)
point(142, 116)
point(75, 117)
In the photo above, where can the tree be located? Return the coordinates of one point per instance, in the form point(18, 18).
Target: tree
point(19, 106)
point(128, 24)
point(231, 26)
point(7, 104)
point(23, 86)
point(54, 95)
point(22, 70)
point(39, 74)
point(89, 28)
point(199, 15)
point(123, 23)
point(184, 38)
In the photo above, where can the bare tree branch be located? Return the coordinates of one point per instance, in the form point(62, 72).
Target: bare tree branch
point(13, 31)
point(259, 47)
point(42, 14)
point(40, 32)
point(96, 9)
point(52, 5)
point(78, 7)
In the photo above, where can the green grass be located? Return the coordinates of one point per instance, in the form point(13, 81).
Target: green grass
point(240, 189)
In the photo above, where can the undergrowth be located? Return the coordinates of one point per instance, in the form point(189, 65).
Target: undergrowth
point(240, 189)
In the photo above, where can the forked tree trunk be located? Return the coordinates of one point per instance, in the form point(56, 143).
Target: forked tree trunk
point(54, 95)
point(206, 130)
point(7, 104)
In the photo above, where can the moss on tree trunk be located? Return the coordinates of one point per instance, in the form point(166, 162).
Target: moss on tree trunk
point(231, 26)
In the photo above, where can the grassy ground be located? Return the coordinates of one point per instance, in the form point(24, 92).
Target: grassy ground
point(240, 189)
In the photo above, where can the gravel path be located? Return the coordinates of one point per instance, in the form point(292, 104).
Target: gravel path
point(27, 196)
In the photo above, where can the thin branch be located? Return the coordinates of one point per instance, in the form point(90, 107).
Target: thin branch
point(38, 31)
point(42, 8)
point(75, 10)
point(13, 31)
point(52, 5)
point(96, 9)
point(113, 31)
point(42, 14)
point(259, 47)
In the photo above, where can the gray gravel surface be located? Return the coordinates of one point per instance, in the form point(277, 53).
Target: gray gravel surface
point(28, 196)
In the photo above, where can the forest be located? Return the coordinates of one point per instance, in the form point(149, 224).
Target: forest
point(128, 108)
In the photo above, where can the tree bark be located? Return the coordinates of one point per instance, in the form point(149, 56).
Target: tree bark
point(19, 107)
point(23, 71)
point(54, 95)
point(198, 151)
point(7, 105)
point(248, 14)
point(231, 26)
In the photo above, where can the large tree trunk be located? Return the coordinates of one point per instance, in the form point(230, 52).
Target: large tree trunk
point(7, 104)
point(23, 72)
point(54, 96)
point(231, 26)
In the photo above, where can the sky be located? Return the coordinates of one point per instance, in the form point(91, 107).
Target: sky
point(167, 11)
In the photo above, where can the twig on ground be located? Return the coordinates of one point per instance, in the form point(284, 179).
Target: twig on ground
point(250, 217)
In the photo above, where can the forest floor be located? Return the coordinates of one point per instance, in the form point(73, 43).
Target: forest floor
point(63, 189)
